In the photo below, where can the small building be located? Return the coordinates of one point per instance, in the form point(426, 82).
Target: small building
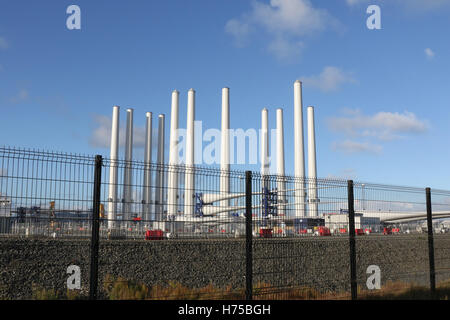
point(297, 224)
point(5, 214)
point(339, 221)
point(5, 206)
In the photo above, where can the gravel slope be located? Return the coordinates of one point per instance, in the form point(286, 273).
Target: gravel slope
point(321, 263)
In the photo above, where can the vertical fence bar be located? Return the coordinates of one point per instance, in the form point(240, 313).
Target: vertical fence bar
point(248, 237)
point(430, 243)
point(351, 226)
point(95, 228)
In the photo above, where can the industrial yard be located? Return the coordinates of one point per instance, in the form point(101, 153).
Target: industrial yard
point(182, 224)
point(224, 150)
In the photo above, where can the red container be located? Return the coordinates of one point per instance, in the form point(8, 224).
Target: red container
point(154, 235)
point(265, 233)
point(359, 232)
point(324, 231)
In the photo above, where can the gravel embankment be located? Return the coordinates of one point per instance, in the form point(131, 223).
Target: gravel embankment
point(321, 263)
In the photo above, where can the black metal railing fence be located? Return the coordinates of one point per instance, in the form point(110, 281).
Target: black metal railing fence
point(155, 231)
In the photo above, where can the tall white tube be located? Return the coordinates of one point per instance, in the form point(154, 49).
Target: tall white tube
point(299, 152)
point(159, 177)
point(147, 191)
point(112, 197)
point(127, 173)
point(312, 170)
point(265, 147)
point(189, 181)
point(225, 147)
point(281, 183)
point(172, 179)
point(264, 142)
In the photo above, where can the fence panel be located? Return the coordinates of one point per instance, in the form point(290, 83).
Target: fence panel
point(179, 235)
point(440, 201)
point(391, 240)
point(296, 253)
point(45, 224)
point(177, 232)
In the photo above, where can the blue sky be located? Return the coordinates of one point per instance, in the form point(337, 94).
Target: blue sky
point(381, 97)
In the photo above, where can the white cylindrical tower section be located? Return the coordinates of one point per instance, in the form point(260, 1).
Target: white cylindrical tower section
point(299, 152)
point(127, 173)
point(264, 142)
point(159, 177)
point(281, 183)
point(189, 174)
point(147, 191)
point(172, 179)
point(225, 147)
point(312, 170)
point(113, 178)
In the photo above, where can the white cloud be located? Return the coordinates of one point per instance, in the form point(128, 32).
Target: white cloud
point(3, 43)
point(330, 79)
point(383, 125)
point(344, 174)
point(285, 21)
point(240, 31)
point(21, 96)
point(101, 135)
point(297, 17)
point(285, 49)
point(429, 53)
point(349, 146)
point(355, 2)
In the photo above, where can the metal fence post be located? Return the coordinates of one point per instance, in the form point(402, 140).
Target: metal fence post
point(430, 243)
point(351, 226)
point(95, 228)
point(248, 237)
